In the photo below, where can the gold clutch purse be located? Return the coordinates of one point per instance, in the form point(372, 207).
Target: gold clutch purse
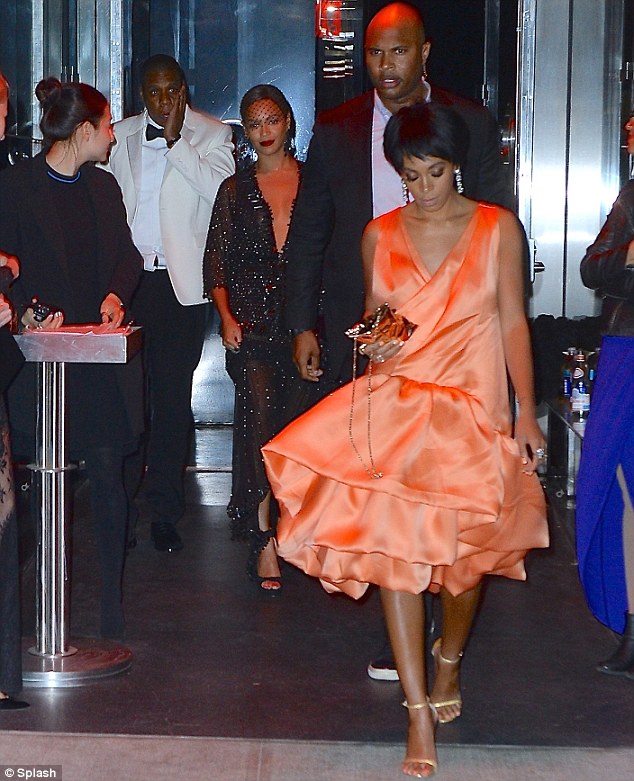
point(382, 325)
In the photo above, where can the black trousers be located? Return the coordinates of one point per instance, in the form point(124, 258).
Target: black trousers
point(10, 640)
point(173, 341)
point(109, 502)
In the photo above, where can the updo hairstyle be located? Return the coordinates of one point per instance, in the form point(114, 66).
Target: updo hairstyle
point(66, 106)
point(425, 130)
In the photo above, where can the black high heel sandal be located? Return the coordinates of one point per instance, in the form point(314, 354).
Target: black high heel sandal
point(622, 660)
point(259, 541)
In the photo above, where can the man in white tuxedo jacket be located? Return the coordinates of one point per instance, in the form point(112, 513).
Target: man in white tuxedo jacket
point(169, 162)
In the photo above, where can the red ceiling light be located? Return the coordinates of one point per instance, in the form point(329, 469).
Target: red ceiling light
point(328, 19)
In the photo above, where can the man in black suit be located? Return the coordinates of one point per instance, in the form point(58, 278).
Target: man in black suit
point(346, 181)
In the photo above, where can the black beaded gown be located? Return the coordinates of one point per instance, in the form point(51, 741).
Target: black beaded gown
point(11, 360)
point(10, 651)
point(241, 256)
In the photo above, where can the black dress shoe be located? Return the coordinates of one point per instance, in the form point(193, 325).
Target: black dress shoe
point(9, 703)
point(165, 537)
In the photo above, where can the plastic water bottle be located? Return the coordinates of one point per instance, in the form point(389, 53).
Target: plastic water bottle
point(566, 372)
point(580, 395)
point(593, 360)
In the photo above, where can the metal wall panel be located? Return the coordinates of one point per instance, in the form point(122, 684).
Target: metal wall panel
point(68, 39)
point(114, 63)
point(227, 46)
point(568, 128)
point(542, 144)
point(87, 45)
point(37, 71)
point(51, 37)
point(99, 49)
point(276, 44)
point(593, 165)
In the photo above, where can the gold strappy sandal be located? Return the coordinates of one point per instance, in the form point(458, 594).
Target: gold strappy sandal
point(438, 658)
point(424, 763)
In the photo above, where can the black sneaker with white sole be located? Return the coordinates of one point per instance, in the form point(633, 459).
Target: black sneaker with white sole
point(383, 668)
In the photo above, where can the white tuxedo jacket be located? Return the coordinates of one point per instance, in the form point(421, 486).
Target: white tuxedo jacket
point(196, 166)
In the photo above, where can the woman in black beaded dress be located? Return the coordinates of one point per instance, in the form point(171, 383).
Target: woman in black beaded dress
point(10, 636)
point(10, 361)
point(10, 642)
point(244, 270)
point(65, 220)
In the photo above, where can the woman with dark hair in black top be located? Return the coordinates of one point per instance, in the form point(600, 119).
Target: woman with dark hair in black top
point(65, 220)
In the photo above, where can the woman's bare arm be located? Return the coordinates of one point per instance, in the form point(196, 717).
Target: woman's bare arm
point(516, 337)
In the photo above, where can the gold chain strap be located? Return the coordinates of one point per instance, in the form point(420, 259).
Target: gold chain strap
point(371, 470)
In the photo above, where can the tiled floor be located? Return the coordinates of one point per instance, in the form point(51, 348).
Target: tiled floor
point(212, 657)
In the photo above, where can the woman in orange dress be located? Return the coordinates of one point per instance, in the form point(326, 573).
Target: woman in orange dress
point(426, 488)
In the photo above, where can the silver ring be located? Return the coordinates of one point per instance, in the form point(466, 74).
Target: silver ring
point(540, 452)
point(361, 348)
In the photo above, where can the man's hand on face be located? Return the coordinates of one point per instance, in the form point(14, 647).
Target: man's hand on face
point(174, 123)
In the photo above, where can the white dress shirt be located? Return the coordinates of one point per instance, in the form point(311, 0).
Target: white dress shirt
point(387, 187)
point(146, 227)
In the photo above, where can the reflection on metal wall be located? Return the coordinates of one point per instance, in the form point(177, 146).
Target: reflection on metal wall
point(568, 132)
point(339, 51)
point(73, 40)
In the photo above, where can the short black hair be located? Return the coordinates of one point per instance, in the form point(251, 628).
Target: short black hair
point(425, 130)
point(161, 62)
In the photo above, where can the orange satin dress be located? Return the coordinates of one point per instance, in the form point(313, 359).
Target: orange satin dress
point(453, 503)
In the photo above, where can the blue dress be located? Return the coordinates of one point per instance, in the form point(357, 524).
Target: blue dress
point(608, 442)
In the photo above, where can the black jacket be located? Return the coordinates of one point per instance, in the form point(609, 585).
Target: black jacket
point(31, 230)
point(11, 358)
point(335, 204)
point(603, 266)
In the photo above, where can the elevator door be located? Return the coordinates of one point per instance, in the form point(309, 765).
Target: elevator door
point(569, 119)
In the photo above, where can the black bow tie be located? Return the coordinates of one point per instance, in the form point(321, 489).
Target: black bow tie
point(152, 132)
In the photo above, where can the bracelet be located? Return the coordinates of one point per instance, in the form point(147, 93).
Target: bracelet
point(172, 141)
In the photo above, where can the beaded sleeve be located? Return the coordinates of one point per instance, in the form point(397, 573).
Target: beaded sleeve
point(220, 238)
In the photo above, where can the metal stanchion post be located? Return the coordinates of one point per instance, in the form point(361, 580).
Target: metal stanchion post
point(51, 471)
point(51, 661)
